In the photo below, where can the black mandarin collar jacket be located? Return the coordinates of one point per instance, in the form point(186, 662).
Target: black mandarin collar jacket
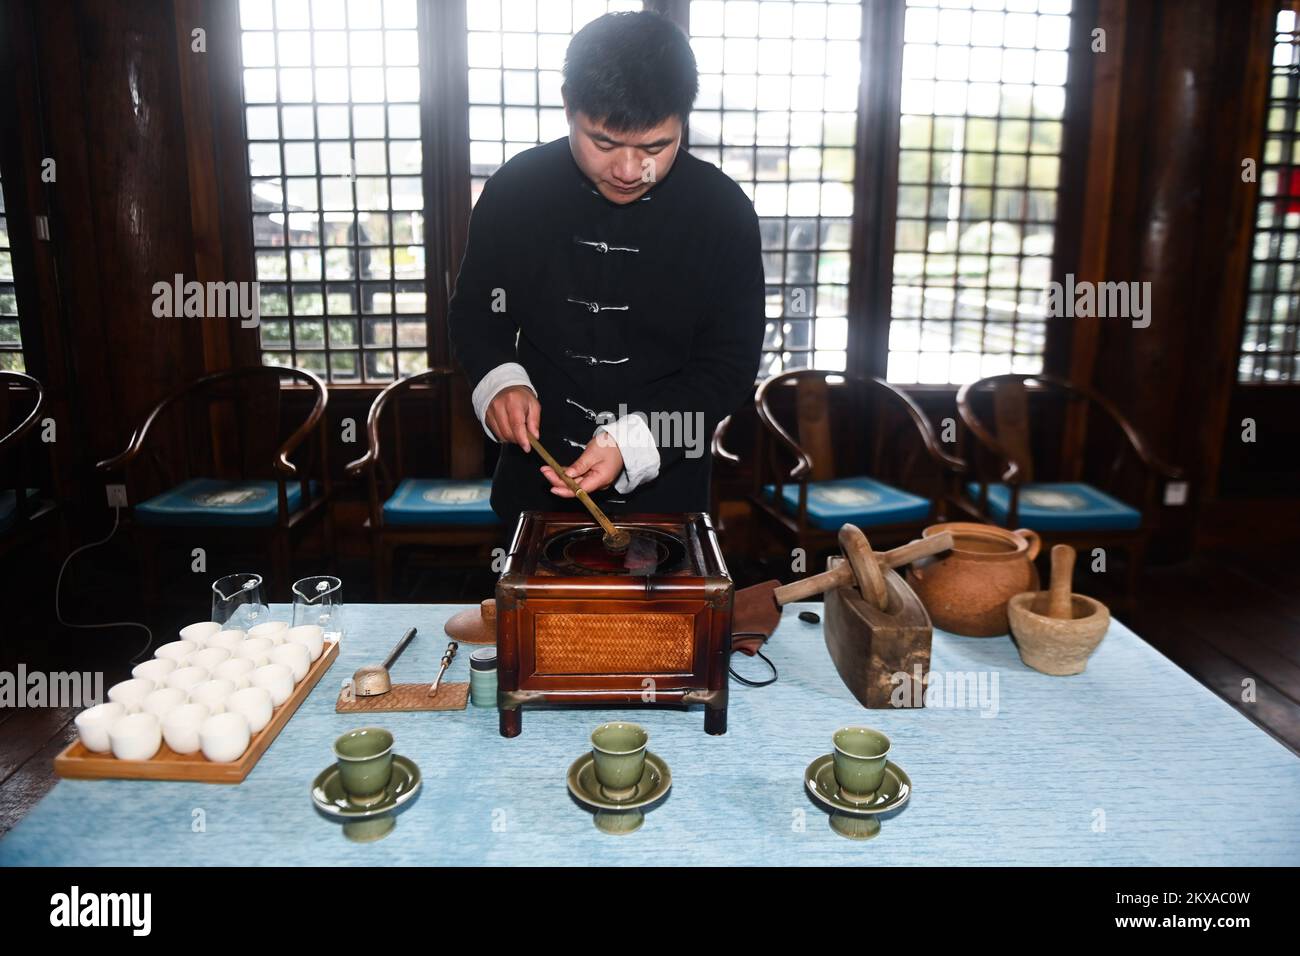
point(655, 306)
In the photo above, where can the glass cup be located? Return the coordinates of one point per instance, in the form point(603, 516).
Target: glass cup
point(319, 600)
point(237, 601)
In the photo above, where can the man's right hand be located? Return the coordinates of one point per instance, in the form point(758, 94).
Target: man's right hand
point(514, 414)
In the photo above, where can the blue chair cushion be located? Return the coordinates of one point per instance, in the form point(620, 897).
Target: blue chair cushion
point(1061, 506)
point(209, 502)
point(860, 501)
point(441, 501)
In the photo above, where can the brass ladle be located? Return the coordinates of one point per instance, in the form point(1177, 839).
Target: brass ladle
point(616, 539)
point(372, 680)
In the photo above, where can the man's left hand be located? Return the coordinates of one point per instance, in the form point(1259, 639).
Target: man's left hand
point(599, 465)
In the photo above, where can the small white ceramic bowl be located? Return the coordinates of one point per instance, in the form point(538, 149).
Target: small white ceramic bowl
point(228, 639)
point(273, 631)
point(237, 670)
point(310, 636)
point(277, 679)
point(136, 737)
point(180, 728)
point(224, 737)
point(164, 700)
point(155, 670)
point(131, 693)
point(256, 649)
point(209, 657)
point(94, 723)
point(200, 633)
point(187, 678)
point(213, 694)
point(254, 703)
point(178, 651)
point(296, 657)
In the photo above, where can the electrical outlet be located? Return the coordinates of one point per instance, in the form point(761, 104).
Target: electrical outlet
point(1175, 493)
point(116, 496)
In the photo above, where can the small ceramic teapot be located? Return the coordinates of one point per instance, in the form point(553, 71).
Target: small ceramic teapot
point(966, 589)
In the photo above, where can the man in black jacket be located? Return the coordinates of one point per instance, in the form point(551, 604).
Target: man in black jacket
point(614, 281)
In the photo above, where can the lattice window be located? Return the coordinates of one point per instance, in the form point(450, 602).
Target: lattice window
point(777, 112)
point(983, 96)
point(11, 339)
point(516, 57)
point(332, 115)
point(1270, 345)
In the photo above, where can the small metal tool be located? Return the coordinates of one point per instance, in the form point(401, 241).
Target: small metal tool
point(446, 662)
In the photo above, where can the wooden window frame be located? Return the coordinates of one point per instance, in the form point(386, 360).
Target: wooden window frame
point(446, 176)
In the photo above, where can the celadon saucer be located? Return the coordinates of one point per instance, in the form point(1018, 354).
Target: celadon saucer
point(330, 798)
point(619, 816)
point(857, 821)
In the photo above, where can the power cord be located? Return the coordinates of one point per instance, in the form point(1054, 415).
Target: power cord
point(758, 652)
point(58, 585)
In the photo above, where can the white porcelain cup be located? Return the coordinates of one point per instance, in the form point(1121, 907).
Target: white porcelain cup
point(310, 636)
point(228, 639)
point(200, 633)
point(277, 679)
point(164, 700)
point(273, 631)
point(94, 723)
point(180, 728)
point(213, 694)
point(237, 670)
point(209, 658)
point(224, 737)
point(131, 693)
point(296, 657)
point(135, 736)
point(155, 670)
point(187, 678)
point(256, 649)
point(178, 651)
point(254, 703)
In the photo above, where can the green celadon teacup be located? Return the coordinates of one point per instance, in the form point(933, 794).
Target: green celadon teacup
point(365, 761)
point(619, 752)
point(860, 754)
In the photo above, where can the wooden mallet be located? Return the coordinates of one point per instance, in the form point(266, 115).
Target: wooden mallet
point(758, 608)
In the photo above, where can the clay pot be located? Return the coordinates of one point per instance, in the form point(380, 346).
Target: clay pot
point(966, 590)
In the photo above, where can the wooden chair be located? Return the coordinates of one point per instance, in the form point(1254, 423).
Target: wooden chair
point(24, 511)
point(237, 485)
point(437, 514)
point(1084, 506)
point(884, 435)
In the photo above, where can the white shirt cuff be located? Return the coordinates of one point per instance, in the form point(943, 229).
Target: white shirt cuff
point(638, 448)
point(504, 376)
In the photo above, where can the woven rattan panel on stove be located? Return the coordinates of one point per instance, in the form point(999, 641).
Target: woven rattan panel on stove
point(614, 643)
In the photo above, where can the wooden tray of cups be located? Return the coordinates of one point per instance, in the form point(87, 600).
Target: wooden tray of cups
point(79, 763)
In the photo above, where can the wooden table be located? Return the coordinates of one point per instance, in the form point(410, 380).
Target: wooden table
point(1130, 763)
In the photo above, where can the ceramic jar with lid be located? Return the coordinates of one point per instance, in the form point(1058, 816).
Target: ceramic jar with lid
point(483, 677)
point(966, 590)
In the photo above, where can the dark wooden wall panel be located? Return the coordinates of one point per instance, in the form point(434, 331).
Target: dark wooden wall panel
point(120, 208)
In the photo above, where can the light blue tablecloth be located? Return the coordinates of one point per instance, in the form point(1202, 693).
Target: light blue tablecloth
point(1132, 762)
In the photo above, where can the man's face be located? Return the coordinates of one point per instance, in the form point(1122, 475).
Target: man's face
point(623, 165)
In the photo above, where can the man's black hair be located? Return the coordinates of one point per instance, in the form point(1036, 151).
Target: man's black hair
point(631, 71)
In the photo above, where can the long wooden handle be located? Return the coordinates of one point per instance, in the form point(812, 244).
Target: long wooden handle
point(396, 652)
point(1059, 598)
point(573, 486)
point(843, 574)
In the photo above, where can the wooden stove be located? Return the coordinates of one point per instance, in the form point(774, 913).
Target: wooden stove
point(578, 623)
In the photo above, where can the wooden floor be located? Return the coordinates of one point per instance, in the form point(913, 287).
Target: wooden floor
point(1232, 621)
